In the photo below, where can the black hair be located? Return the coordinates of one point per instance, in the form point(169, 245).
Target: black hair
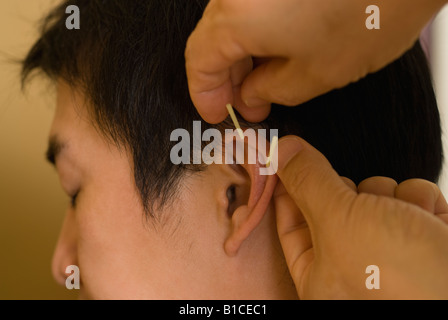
point(128, 57)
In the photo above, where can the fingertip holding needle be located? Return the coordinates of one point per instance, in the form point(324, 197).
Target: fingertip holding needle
point(235, 120)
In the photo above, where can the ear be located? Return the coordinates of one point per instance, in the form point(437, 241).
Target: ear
point(249, 213)
point(66, 253)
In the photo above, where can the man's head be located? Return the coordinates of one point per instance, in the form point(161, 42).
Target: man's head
point(140, 226)
point(187, 250)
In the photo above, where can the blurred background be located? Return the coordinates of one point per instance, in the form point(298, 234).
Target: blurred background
point(32, 205)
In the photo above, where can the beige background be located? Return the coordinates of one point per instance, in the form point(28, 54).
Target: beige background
point(439, 59)
point(32, 206)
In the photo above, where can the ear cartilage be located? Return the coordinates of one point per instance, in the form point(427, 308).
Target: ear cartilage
point(271, 151)
point(235, 120)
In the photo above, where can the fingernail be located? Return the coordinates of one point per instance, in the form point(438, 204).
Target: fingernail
point(288, 148)
point(255, 102)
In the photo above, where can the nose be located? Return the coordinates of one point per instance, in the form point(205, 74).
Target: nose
point(66, 253)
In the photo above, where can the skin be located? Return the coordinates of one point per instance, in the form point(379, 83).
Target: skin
point(193, 250)
point(303, 48)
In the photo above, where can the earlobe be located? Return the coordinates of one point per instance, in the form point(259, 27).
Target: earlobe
point(247, 217)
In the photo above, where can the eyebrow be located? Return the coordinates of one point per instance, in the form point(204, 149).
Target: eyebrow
point(55, 147)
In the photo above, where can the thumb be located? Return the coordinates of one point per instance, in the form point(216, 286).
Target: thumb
point(318, 191)
point(262, 84)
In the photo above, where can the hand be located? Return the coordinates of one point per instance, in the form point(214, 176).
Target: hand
point(331, 230)
point(308, 47)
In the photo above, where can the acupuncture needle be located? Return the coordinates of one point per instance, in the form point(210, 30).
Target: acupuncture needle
point(235, 120)
point(240, 132)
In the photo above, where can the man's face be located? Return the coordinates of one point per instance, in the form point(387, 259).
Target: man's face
point(122, 254)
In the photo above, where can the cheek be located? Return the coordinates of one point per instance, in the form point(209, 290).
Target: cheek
point(121, 255)
point(113, 240)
